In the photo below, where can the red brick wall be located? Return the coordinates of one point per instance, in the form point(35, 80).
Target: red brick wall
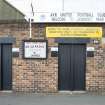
point(95, 76)
point(42, 75)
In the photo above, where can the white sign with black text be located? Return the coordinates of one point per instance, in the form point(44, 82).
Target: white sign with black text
point(35, 49)
point(70, 17)
point(69, 11)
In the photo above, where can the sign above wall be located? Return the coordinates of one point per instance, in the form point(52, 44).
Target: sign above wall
point(84, 11)
point(73, 17)
point(76, 32)
point(35, 49)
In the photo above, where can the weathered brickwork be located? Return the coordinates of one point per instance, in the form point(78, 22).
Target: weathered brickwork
point(95, 76)
point(32, 75)
point(35, 75)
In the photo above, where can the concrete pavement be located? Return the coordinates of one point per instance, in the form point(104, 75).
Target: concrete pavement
point(54, 99)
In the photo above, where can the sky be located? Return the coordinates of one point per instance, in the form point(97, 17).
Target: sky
point(58, 5)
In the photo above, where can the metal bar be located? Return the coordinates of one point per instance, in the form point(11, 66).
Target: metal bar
point(30, 25)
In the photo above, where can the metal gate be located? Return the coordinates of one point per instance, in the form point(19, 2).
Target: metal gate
point(5, 66)
point(72, 65)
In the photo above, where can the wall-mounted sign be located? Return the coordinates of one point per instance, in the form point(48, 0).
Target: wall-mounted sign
point(89, 11)
point(73, 17)
point(35, 49)
point(79, 32)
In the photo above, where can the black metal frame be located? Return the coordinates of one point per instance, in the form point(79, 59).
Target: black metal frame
point(32, 40)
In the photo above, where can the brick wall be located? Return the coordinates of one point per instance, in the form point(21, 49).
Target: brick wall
point(31, 75)
point(95, 73)
point(42, 75)
point(35, 75)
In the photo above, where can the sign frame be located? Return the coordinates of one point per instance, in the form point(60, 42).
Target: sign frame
point(35, 41)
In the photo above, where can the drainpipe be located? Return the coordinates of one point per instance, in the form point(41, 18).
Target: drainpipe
point(30, 25)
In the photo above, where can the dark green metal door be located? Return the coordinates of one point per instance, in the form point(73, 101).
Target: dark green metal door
point(5, 67)
point(72, 65)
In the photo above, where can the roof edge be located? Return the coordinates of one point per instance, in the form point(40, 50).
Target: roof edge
point(14, 7)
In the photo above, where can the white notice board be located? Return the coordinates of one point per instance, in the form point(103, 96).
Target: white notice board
point(35, 49)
